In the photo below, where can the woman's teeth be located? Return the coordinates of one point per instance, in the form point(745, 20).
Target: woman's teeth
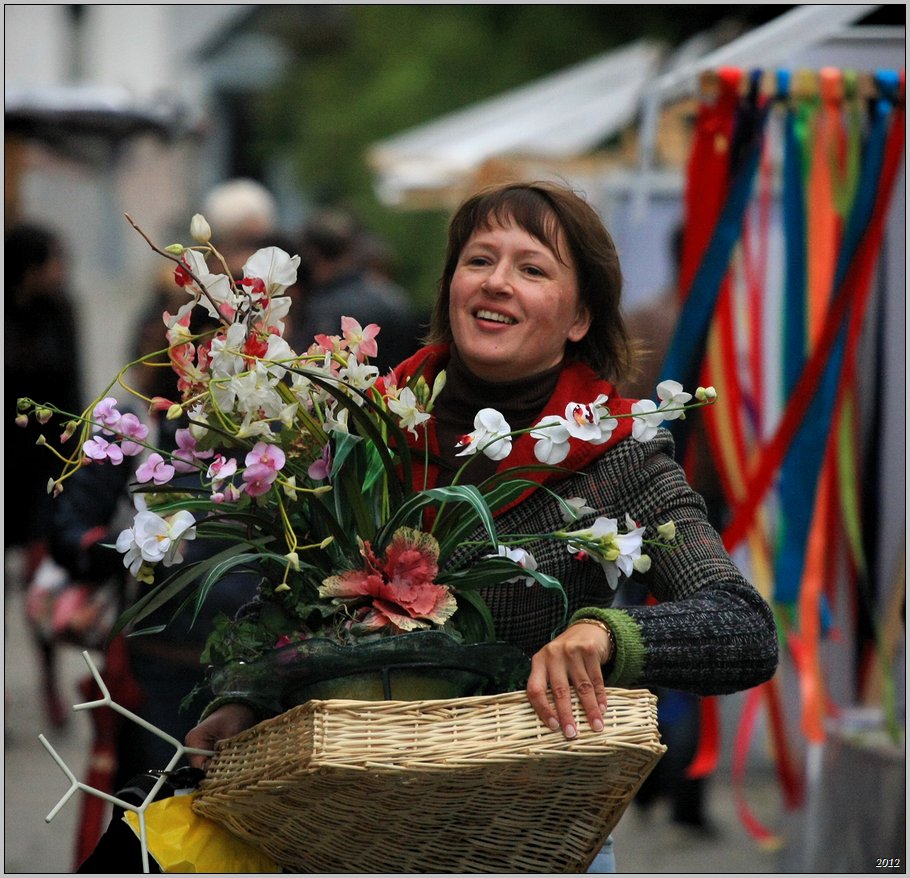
point(495, 317)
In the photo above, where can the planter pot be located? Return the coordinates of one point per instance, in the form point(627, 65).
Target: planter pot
point(408, 667)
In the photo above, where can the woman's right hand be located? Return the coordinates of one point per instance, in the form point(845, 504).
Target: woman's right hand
point(225, 722)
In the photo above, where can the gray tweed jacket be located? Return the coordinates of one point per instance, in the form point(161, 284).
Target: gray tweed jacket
point(710, 632)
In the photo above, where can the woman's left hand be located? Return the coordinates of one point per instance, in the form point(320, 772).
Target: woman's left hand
point(574, 659)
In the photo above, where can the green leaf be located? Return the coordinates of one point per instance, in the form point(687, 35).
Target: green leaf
point(167, 590)
point(366, 426)
point(475, 622)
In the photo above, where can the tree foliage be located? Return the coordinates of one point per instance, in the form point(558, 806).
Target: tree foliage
point(392, 67)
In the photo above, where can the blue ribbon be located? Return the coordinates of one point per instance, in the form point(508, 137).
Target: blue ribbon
point(802, 465)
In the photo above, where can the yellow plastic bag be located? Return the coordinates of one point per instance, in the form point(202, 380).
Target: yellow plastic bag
point(182, 841)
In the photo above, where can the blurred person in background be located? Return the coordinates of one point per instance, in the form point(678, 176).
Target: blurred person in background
point(243, 214)
point(345, 273)
point(41, 361)
point(149, 675)
point(651, 328)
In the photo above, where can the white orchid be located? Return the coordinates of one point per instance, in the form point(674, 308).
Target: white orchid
point(616, 552)
point(227, 352)
point(405, 406)
point(552, 435)
point(590, 422)
point(218, 286)
point(360, 375)
point(491, 435)
point(277, 353)
point(274, 267)
point(521, 557)
point(200, 230)
point(647, 420)
point(256, 391)
point(577, 507)
point(156, 540)
point(667, 530)
point(274, 312)
point(672, 399)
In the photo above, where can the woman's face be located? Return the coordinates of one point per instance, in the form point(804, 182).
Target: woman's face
point(513, 304)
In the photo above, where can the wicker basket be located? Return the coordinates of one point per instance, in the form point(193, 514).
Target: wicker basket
point(465, 785)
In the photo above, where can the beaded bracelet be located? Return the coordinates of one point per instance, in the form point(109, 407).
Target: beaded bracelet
point(606, 628)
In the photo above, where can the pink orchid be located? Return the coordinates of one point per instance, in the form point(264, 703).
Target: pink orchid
point(107, 413)
point(221, 469)
point(133, 432)
point(328, 344)
point(230, 494)
point(100, 449)
point(186, 455)
point(400, 589)
point(262, 466)
point(322, 466)
point(156, 470)
point(361, 340)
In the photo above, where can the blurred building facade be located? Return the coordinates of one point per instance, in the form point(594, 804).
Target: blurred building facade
point(113, 110)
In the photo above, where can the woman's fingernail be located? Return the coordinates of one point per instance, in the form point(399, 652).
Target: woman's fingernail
point(570, 731)
point(603, 709)
point(553, 723)
point(597, 725)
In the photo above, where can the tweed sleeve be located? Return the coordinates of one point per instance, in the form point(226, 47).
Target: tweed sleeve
point(710, 631)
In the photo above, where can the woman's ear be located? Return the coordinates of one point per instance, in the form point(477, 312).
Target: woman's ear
point(579, 329)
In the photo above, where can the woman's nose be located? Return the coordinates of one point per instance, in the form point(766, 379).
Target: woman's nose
point(499, 279)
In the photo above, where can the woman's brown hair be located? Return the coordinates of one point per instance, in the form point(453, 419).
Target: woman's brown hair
point(544, 209)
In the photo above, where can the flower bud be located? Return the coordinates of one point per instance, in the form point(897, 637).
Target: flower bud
point(283, 587)
point(289, 486)
point(175, 249)
point(667, 530)
point(23, 404)
point(41, 440)
point(710, 393)
point(642, 563)
point(422, 390)
point(438, 385)
point(21, 420)
point(175, 412)
point(200, 230)
point(68, 429)
point(43, 415)
point(146, 574)
point(294, 560)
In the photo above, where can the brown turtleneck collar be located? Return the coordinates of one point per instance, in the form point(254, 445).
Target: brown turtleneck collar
point(464, 394)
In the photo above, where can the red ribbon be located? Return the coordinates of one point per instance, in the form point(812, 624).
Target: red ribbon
point(853, 291)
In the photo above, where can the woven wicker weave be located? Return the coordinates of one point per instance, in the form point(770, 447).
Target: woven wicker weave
point(469, 785)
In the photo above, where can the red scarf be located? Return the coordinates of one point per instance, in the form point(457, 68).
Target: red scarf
point(577, 383)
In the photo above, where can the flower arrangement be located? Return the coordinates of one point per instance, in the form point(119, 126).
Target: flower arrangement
point(299, 466)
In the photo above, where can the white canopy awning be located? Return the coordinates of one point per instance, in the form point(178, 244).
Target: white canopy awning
point(569, 114)
point(563, 115)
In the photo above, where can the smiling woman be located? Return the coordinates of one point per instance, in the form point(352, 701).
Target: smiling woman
point(526, 337)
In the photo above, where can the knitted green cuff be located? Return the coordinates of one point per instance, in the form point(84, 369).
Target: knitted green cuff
point(629, 660)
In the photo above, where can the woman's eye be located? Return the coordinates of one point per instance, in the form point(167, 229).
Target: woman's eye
point(535, 271)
